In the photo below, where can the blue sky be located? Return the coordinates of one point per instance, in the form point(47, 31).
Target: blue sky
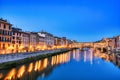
point(81, 20)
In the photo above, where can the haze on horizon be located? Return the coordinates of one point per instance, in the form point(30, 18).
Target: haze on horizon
point(81, 20)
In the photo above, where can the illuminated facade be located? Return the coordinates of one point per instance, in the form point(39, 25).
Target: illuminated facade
point(5, 37)
point(17, 40)
point(57, 42)
point(117, 42)
point(48, 38)
point(66, 42)
point(63, 41)
point(33, 41)
point(41, 42)
point(111, 44)
point(69, 44)
point(114, 43)
point(25, 41)
point(14, 40)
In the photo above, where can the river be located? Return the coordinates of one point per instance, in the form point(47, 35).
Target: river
point(72, 65)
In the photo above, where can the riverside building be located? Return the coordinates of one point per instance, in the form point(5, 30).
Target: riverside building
point(17, 40)
point(5, 36)
point(14, 40)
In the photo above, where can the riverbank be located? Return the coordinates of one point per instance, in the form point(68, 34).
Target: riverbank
point(15, 60)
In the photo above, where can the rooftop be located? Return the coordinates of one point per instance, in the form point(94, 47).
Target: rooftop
point(4, 21)
point(16, 29)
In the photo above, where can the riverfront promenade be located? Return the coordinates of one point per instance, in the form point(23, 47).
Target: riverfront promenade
point(19, 56)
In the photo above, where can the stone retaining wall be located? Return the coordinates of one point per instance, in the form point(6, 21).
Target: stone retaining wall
point(18, 56)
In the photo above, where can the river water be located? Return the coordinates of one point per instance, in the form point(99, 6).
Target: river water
point(72, 65)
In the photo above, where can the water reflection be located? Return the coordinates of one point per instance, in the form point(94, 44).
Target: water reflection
point(1, 75)
point(11, 75)
point(21, 71)
point(38, 68)
point(88, 56)
point(108, 56)
point(30, 67)
point(85, 56)
point(42, 68)
point(76, 55)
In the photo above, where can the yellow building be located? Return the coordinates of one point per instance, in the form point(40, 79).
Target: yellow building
point(5, 37)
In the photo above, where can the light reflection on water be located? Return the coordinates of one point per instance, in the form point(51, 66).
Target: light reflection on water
point(34, 67)
point(42, 68)
point(11, 74)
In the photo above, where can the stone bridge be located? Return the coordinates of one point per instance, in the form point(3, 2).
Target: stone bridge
point(94, 45)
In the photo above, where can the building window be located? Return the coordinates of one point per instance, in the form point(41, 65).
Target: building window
point(4, 26)
point(0, 46)
point(9, 27)
point(10, 39)
point(3, 46)
point(13, 42)
point(10, 33)
point(13, 33)
point(8, 45)
point(13, 37)
point(5, 32)
point(20, 34)
point(0, 31)
point(3, 39)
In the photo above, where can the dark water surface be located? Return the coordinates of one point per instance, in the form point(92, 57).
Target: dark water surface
point(73, 65)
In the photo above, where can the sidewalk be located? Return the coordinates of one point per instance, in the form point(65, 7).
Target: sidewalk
point(19, 56)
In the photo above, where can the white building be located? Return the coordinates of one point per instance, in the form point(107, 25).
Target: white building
point(48, 38)
point(41, 41)
point(33, 41)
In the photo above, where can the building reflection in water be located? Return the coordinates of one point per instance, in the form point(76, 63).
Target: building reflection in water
point(11, 75)
point(108, 56)
point(88, 56)
point(38, 68)
point(85, 56)
point(1, 75)
point(76, 55)
point(59, 59)
point(30, 67)
point(45, 62)
point(21, 71)
point(91, 56)
point(42, 68)
point(105, 56)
